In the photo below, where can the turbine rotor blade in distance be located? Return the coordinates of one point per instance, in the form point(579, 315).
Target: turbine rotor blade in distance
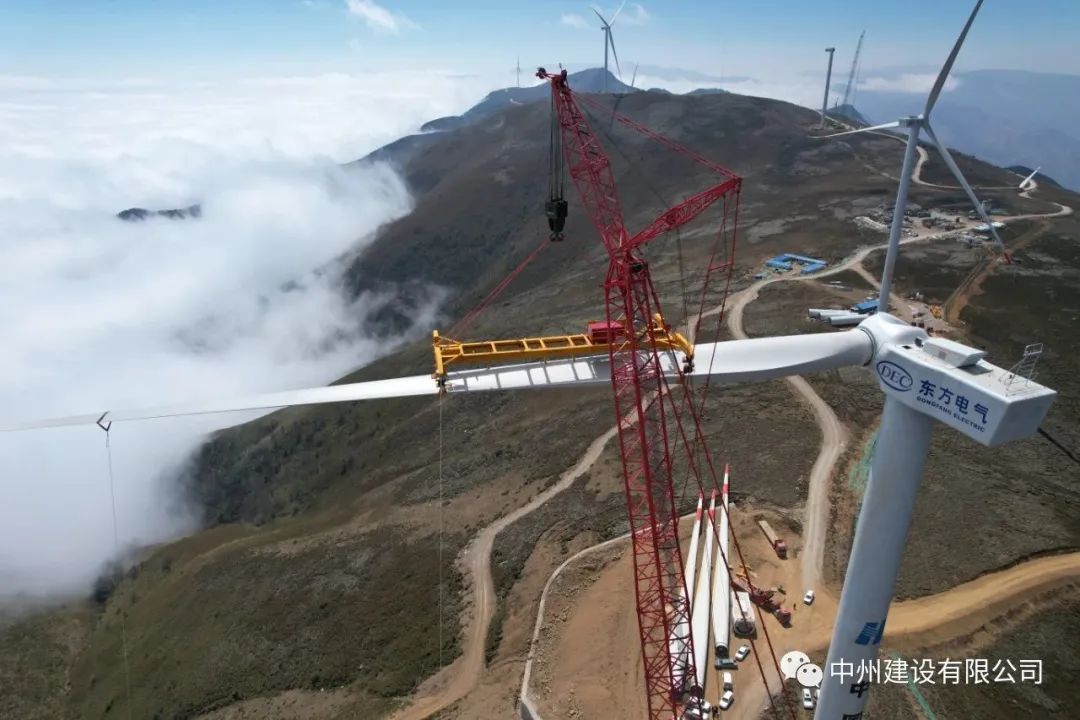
point(611, 39)
point(872, 128)
point(606, 23)
point(947, 67)
point(617, 12)
point(955, 169)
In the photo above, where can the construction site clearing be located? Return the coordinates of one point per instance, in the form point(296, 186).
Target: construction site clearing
point(919, 221)
point(587, 662)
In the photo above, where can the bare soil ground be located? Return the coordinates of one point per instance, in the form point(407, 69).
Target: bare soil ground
point(1037, 637)
point(589, 659)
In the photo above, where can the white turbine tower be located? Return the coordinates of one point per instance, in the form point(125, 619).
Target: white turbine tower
point(916, 124)
point(609, 42)
point(828, 80)
point(925, 381)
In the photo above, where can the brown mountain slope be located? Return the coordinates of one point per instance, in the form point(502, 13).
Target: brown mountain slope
point(322, 574)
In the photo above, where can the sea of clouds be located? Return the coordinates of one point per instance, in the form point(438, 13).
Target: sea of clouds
point(97, 313)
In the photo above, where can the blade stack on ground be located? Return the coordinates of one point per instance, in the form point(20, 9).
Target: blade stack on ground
point(721, 591)
point(700, 619)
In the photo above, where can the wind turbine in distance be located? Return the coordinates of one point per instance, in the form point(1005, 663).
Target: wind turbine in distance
point(1028, 181)
point(609, 41)
point(916, 124)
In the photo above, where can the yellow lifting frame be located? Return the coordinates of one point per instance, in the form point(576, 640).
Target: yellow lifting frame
point(484, 352)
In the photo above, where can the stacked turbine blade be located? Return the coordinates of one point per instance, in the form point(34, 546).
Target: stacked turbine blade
point(700, 620)
point(721, 589)
point(678, 645)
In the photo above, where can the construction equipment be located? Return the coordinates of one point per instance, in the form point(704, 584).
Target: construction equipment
point(848, 94)
point(775, 540)
point(744, 621)
point(600, 336)
point(663, 418)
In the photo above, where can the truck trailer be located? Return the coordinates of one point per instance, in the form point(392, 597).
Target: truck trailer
point(775, 540)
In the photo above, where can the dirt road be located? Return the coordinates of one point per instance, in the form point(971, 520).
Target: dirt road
point(833, 442)
point(960, 611)
point(461, 676)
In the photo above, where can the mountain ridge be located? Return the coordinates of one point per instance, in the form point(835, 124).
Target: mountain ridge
point(320, 573)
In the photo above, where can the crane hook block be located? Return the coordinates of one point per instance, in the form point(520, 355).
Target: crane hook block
point(556, 210)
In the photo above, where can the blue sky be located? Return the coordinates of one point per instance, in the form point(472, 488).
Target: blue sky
point(117, 38)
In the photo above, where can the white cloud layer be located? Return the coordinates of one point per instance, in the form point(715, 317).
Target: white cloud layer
point(636, 15)
point(914, 83)
point(99, 313)
point(574, 20)
point(378, 17)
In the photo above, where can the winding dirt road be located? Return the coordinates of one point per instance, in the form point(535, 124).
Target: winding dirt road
point(457, 679)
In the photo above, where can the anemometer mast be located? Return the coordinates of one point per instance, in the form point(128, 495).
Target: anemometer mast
point(650, 423)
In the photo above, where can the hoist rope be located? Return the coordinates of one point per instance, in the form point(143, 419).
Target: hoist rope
point(116, 551)
point(461, 325)
point(441, 398)
point(659, 196)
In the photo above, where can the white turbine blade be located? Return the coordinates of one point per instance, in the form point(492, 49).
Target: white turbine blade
point(947, 157)
point(617, 12)
point(373, 390)
point(606, 23)
point(1029, 178)
point(740, 361)
point(633, 80)
point(872, 128)
point(734, 361)
point(611, 39)
point(947, 67)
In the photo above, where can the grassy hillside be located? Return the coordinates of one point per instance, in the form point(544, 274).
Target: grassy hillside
point(320, 566)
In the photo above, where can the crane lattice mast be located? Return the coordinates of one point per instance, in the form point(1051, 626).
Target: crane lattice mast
point(651, 429)
point(854, 68)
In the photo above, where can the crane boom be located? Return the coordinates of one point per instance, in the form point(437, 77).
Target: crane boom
point(648, 430)
point(854, 69)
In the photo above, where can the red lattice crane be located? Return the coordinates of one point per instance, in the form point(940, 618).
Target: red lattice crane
point(658, 429)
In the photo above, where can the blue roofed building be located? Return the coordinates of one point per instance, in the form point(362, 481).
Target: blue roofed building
point(788, 260)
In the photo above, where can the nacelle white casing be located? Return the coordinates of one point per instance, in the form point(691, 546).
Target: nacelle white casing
point(985, 402)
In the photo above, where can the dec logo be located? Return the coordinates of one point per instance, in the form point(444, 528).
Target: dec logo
point(894, 376)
